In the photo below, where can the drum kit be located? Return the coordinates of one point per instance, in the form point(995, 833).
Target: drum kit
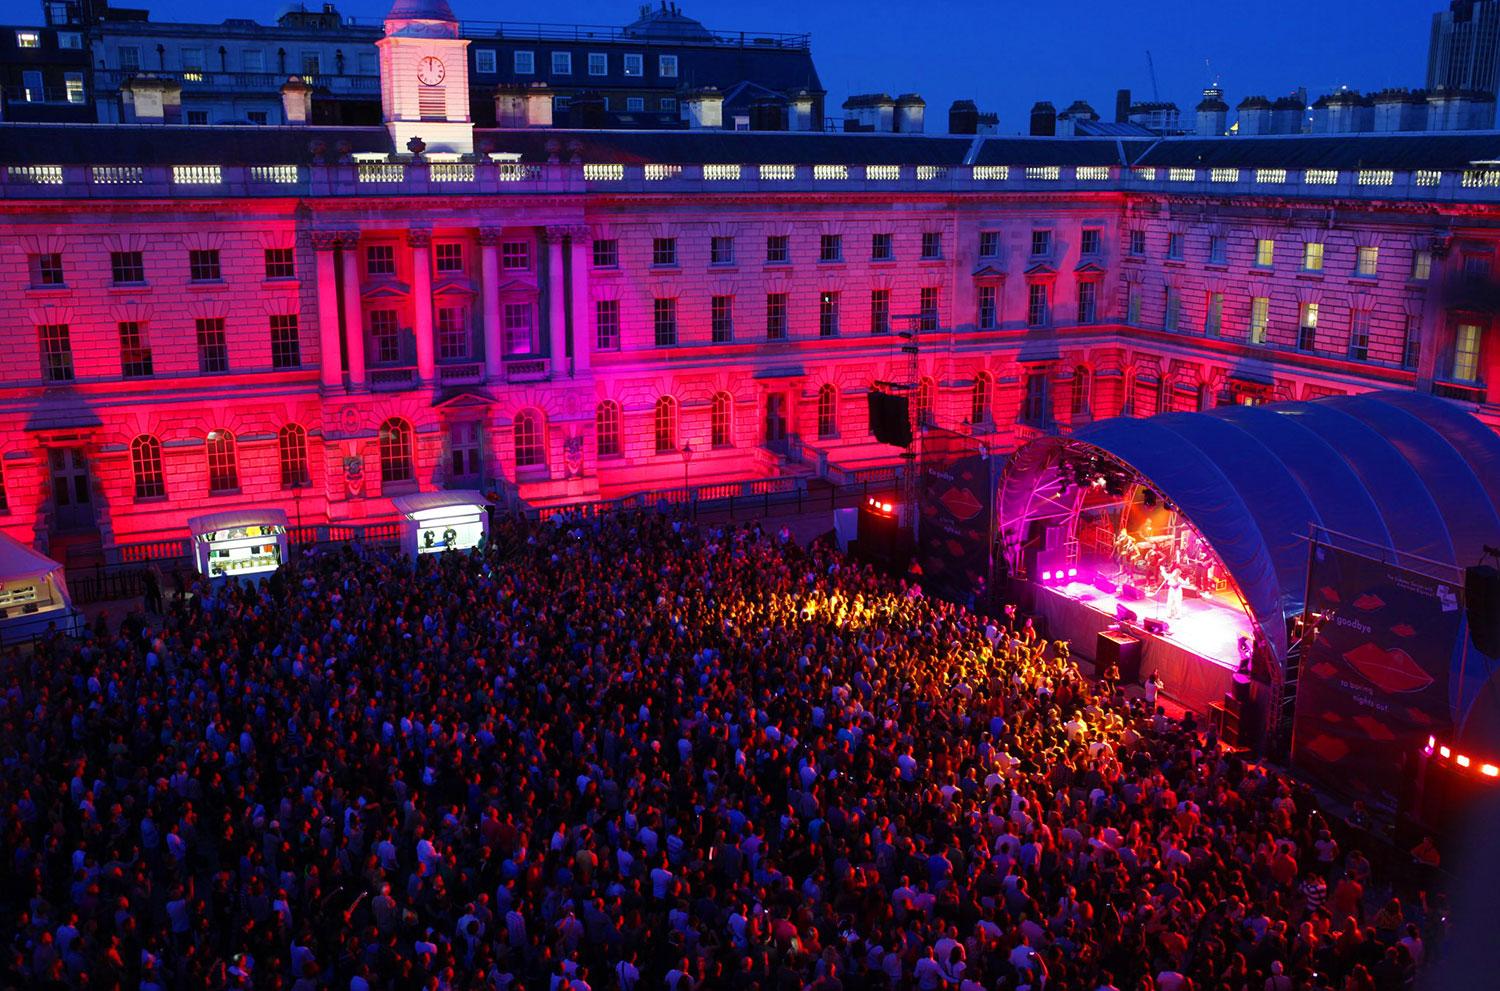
point(1151, 560)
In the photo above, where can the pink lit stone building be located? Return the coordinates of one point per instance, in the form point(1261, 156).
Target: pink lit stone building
point(316, 319)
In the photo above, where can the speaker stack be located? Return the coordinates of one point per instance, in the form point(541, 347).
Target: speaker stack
point(890, 418)
point(1482, 599)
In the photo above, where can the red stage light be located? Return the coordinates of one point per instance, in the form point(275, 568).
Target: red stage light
point(1490, 771)
point(1046, 576)
point(1445, 752)
point(1463, 761)
point(886, 507)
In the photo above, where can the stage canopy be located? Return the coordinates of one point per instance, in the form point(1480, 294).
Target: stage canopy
point(1412, 476)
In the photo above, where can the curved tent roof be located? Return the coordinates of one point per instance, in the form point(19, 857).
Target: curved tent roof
point(1409, 474)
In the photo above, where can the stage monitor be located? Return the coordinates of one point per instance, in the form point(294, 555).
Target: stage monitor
point(1125, 615)
point(890, 418)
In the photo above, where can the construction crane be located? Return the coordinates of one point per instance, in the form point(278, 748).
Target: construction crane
point(1151, 64)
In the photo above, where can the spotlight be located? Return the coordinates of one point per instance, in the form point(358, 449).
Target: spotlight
point(1072, 572)
point(1490, 771)
point(1463, 761)
point(1046, 576)
point(1445, 752)
point(886, 507)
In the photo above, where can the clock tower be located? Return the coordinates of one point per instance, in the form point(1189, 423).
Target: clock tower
point(424, 77)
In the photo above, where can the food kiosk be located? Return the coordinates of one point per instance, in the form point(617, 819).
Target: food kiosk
point(32, 594)
point(240, 543)
point(434, 522)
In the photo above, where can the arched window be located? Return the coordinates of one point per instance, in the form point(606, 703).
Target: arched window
point(223, 465)
point(396, 451)
point(720, 421)
point(607, 428)
point(530, 451)
point(979, 399)
point(145, 465)
point(828, 410)
point(1080, 390)
point(291, 447)
point(665, 422)
point(924, 414)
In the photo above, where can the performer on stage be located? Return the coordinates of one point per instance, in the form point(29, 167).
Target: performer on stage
point(1174, 582)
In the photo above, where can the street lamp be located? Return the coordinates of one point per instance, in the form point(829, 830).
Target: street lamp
point(687, 459)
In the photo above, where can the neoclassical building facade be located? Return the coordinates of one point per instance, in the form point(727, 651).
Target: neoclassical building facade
point(319, 319)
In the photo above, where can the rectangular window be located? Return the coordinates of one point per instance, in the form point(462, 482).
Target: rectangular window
point(1359, 335)
point(598, 64)
point(1175, 244)
point(1477, 267)
point(1307, 328)
point(669, 104)
point(1367, 263)
point(46, 270)
point(664, 251)
point(664, 312)
point(721, 319)
point(1036, 305)
point(1138, 243)
point(1466, 341)
point(1172, 309)
point(831, 248)
point(253, 60)
point(135, 356)
point(452, 334)
point(286, 347)
point(192, 59)
point(607, 253)
point(1213, 320)
point(197, 118)
point(28, 39)
point(880, 311)
point(721, 251)
point(203, 266)
point(1265, 252)
point(989, 244)
point(312, 63)
point(635, 65)
point(73, 86)
point(515, 256)
point(1218, 252)
point(281, 263)
point(1041, 243)
point(666, 66)
point(828, 314)
point(213, 348)
point(1312, 256)
point(448, 257)
point(607, 324)
point(562, 63)
point(525, 63)
point(484, 61)
point(1088, 293)
point(988, 308)
point(881, 248)
point(776, 316)
point(518, 329)
point(1411, 343)
point(932, 245)
point(778, 250)
point(69, 39)
point(383, 334)
point(927, 309)
point(380, 259)
point(130, 58)
point(635, 104)
point(1260, 319)
point(1090, 240)
point(1421, 266)
point(57, 352)
point(1133, 306)
point(257, 117)
point(127, 267)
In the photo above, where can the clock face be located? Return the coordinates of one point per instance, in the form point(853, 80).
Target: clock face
point(430, 71)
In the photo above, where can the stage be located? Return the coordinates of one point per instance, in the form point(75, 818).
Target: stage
point(1196, 659)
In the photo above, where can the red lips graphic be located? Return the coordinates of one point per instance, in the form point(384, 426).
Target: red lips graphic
point(1388, 670)
point(1329, 749)
point(1330, 594)
point(1369, 602)
point(1403, 630)
point(961, 503)
point(1373, 728)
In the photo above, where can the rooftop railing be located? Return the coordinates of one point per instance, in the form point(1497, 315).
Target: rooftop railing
point(43, 181)
point(208, 80)
point(527, 31)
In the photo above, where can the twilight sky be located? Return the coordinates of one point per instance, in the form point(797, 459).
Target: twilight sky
point(1007, 54)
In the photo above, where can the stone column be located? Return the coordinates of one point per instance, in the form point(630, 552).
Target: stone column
point(580, 258)
point(489, 275)
point(557, 301)
point(330, 364)
point(421, 298)
point(354, 325)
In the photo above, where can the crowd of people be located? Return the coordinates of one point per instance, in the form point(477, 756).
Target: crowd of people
point(634, 753)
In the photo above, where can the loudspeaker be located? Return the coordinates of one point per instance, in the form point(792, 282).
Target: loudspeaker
point(890, 418)
point(1157, 626)
point(1132, 593)
point(1121, 650)
point(882, 539)
point(1482, 596)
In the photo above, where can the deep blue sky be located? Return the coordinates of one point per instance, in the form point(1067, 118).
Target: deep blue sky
point(1006, 54)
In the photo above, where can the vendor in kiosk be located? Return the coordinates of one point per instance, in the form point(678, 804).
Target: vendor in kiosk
point(239, 544)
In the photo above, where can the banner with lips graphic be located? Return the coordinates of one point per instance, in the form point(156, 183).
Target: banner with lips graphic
point(957, 499)
point(1374, 683)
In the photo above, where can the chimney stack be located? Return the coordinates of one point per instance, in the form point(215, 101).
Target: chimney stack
point(296, 101)
point(870, 112)
point(704, 108)
point(520, 105)
point(1122, 106)
point(911, 113)
point(1068, 120)
point(1213, 113)
point(1254, 116)
point(151, 100)
point(799, 111)
point(963, 117)
point(1043, 119)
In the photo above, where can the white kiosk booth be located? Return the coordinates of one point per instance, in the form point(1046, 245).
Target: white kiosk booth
point(32, 593)
point(241, 543)
point(434, 522)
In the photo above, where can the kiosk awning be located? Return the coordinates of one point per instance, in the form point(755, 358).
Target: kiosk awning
point(233, 518)
point(424, 505)
point(19, 562)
